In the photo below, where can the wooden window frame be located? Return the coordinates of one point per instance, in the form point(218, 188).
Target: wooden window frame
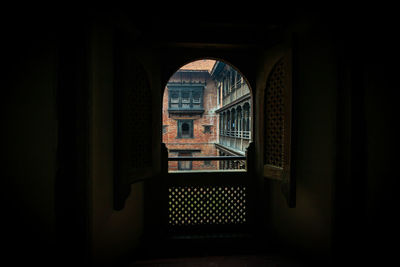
point(282, 171)
point(188, 89)
point(179, 129)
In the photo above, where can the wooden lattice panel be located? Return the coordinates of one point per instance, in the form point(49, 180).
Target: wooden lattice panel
point(139, 119)
point(274, 116)
point(207, 205)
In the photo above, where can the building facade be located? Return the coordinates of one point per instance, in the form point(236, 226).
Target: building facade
point(190, 124)
point(234, 114)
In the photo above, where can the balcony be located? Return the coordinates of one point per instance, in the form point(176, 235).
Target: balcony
point(186, 99)
point(238, 90)
point(237, 134)
point(235, 140)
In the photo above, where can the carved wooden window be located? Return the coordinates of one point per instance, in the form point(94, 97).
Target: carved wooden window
point(185, 129)
point(185, 98)
point(278, 123)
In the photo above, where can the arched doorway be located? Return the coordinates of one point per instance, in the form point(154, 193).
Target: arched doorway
point(202, 109)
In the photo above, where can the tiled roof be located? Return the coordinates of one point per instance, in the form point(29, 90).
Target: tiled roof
point(203, 64)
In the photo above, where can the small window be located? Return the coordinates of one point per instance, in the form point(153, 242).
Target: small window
point(184, 165)
point(207, 163)
point(164, 129)
point(207, 129)
point(185, 129)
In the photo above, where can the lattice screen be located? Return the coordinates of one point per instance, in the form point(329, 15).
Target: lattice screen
point(274, 115)
point(207, 205)
point(139, 119)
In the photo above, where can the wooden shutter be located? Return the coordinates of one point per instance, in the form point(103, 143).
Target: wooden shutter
point(133, 126)
point(278, 121)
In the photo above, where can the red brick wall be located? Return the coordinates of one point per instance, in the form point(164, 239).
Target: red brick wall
point(200, 141)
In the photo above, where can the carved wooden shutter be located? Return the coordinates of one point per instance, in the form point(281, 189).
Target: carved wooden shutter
point(278, 121)
point(133, 125)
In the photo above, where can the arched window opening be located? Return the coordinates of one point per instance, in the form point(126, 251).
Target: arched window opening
point(233, 121)
point(246, 121)
point(221, 123)
point(239, 121)
point(213, 94)
point(228, 124)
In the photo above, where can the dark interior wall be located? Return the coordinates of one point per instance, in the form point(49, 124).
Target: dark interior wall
point(29, 141)
point(307, 228)
point(114, 234)
point(365, 192)
point(380, 58)
point(381, 194)
point(345, 139)
point(58, 190)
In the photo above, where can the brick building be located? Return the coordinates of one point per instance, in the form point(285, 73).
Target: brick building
point(189, 119)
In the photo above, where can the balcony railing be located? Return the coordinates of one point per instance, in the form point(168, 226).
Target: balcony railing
point(234, 143)
point(236, 134)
